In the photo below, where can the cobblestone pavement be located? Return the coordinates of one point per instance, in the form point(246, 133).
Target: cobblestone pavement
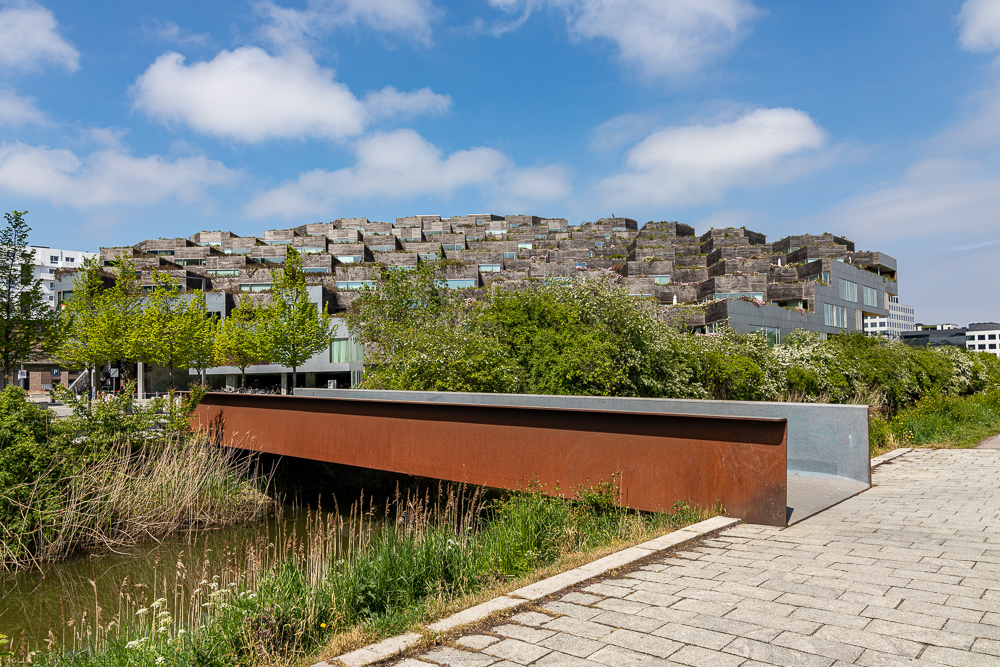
point(907, 573)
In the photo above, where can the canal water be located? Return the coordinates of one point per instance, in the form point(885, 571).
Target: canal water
point(66, 602)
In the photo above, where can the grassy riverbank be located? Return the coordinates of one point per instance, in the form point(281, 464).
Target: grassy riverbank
point(303, 594)
point(113, 474)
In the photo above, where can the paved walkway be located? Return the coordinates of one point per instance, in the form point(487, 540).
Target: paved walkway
point(907, 573)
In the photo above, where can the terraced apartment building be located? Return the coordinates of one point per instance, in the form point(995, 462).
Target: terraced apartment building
point(819, 283)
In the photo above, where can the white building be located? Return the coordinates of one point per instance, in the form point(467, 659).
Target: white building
point(900, 319)
point(47, 260)
point(983, 337)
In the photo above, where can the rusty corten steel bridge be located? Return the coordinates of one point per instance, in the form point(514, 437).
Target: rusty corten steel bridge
point(738, 462)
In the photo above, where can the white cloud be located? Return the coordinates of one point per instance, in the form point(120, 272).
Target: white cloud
point(401, 165)
point(29, 39)
point(294, 27)
point(389, 102)
point(698, 163)
point(106, 177)
point(169, 31)
point(980, 25)
point(17, 110)
point(659, 37)
point(250, 95)
point(954, 197)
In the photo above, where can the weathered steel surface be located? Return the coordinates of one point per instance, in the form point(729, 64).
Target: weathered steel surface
point(738, 462)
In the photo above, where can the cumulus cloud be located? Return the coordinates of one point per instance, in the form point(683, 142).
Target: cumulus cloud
point(286, 26)
point(979, 21)
point(29, 39)
point(657, 37)
point(251, 95)
point(106, 177)
point(401, 165)
point(18, 110)
point(698, 163)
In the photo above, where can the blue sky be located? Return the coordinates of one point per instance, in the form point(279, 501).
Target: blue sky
point(877, 120)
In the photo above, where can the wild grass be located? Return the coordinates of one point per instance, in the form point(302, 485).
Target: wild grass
point(939, 420)
point(343, 580)
point(128, 495)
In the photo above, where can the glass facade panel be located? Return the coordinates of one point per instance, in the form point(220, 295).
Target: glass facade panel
point(346, 351)
point(661, 280)
point(489, 268)
point(848, 290)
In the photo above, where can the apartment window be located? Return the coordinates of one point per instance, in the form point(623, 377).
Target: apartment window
point(581, 265)
point(316, 269)
point(661, 280)
point(599, 244)
point(382, 248)
point(223, 272)
point(53, 258)
point(263, 287)
point(993, 346)
point(759, 296)
point(834, 316)
point(870, 297)
point(489, 268)
point(349, 259)
point(991, 337)
point(270, 260)
point(457, 283)
point(857, 320)
point(525, 246)
point(355, 284)
point(429, 256)
point(772, 334)
point(71, 259)
point(510, 255)
point(970, 338)
point(453, 246)
point(848, 290)
point(982, 347)
point(982, 336)
point(345, 351)
point(310, 250)
point(541, 237)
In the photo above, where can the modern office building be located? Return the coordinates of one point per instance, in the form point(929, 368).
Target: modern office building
point(983, 337)
point(49, 260)
point(934, 335)
point(724, 276)
point(899, 319)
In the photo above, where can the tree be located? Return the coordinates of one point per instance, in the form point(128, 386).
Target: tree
point(173, 330)
point(99, 320)
point(242, 338)
point(27, 321)
point(296, 328)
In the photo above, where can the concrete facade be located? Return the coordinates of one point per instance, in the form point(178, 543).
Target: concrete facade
point(50, 260)
point(983, 337)
point(900, 318)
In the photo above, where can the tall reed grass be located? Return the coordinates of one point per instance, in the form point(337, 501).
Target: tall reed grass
point(128, 495)
point(284, 595)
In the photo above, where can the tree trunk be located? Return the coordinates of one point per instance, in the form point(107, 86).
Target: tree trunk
point(243, 378)
point(294, 374)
